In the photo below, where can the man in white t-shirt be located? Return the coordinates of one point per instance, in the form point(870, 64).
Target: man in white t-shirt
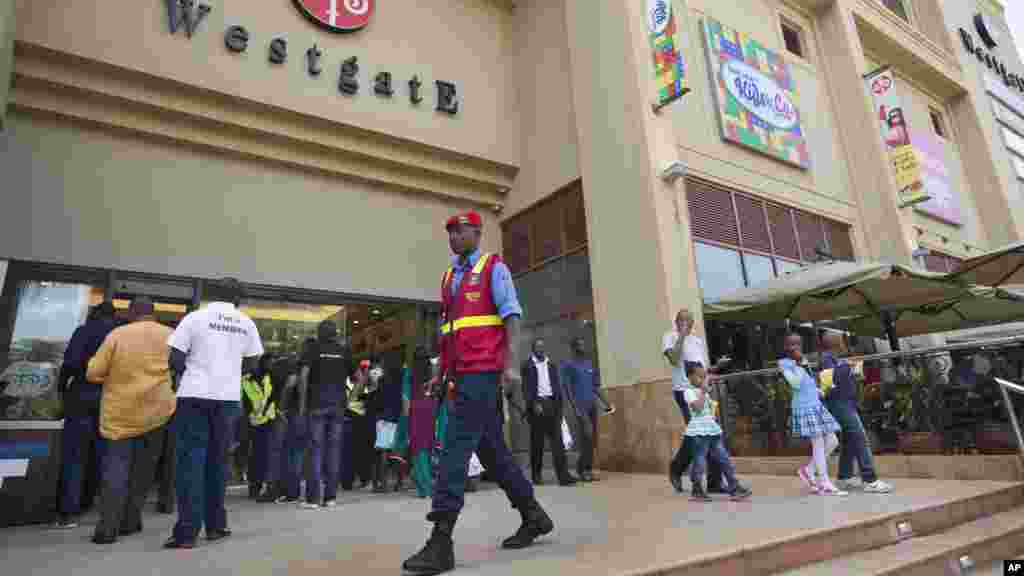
point(681, 347)
point(207, 352)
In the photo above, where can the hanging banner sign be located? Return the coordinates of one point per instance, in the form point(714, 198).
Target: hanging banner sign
point(758, 104)
point(902, 154)
point(669, 68)
point(944, 203)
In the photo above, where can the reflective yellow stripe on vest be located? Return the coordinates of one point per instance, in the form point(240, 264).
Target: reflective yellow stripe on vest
point(259, 396)
point(471, 321)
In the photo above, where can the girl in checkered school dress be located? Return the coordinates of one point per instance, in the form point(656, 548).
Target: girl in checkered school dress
point(810, 419)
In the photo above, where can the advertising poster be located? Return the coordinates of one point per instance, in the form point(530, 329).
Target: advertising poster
point(758, 104)
point(896, 135)
point(669, 67)
point(943, 204)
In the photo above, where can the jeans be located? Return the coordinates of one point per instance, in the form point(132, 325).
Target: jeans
point(346, 470)
point(585, 442)
point(855, 445)
point(129, 468)
point(475, 425)
point(80, 443)
point(203, 430)
point(712, 447)
point(325, 428)
point(168, 463)
point(265, 454)
point(294, 457)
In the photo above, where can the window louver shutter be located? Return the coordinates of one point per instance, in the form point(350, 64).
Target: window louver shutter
point(754, 233)
point(515, 240)
point(575, 218)
point(711, 212)
point(547, 230)
point(780, 222)
point(811, 236)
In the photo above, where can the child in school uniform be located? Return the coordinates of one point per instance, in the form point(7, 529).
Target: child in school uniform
point(706, 438)
point(810, 419)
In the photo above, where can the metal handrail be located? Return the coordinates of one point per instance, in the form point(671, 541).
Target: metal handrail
point(994, 343)
point(1005, 385)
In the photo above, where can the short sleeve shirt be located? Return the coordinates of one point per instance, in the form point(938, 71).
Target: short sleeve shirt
point(694, 350)
point(703, 422)
point(215, 340)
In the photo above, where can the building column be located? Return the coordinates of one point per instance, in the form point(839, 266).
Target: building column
point(888, 231)
point(6, 55)
point(637, 224)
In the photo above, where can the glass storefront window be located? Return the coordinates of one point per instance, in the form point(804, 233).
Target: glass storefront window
point(284, 326)
point(719, 270)
point(47, 315)
point(759, 268)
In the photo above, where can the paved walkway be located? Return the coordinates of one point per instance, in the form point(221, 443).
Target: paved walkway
point(623, 523)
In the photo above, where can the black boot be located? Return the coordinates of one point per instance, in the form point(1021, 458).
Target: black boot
point(536, 523)
point(438, 555)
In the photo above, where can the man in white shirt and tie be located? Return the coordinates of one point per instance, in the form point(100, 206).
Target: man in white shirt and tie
point(542, 392)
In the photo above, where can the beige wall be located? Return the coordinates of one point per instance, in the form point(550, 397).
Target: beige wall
point(107, 200)
point(540, 65)
point(404, 38)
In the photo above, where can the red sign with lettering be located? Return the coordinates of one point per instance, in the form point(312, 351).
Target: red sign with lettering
point(338, 15)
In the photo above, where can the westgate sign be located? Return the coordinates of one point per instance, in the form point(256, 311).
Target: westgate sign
point(989, 38)
point(189, 15)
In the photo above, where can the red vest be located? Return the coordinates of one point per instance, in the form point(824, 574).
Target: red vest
point(472, 333)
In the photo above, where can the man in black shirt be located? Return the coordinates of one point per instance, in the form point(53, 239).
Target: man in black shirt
point(326, 368)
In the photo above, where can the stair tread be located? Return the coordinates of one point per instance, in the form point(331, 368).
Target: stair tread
point(914, 550)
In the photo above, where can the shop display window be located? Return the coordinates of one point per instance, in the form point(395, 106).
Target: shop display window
point(47, 314)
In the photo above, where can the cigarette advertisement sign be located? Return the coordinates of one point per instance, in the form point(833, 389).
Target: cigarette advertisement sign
point(903, 156)
point(758, 104)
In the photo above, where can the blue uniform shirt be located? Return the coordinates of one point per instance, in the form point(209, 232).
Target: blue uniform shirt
point(580, 378)
point(503, 291)
point(844, 386)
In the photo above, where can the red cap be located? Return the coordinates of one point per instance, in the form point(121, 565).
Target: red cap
point(467, 219)
point(364, 364)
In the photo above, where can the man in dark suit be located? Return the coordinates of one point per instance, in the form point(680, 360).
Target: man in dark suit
point(543, 394)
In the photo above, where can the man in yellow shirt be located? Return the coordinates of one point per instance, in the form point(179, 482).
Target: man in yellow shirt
point(137, 402)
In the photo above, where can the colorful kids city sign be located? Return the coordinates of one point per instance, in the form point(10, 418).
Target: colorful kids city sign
point(757, 100)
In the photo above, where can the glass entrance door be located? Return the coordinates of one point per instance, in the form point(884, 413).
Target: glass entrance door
point(172, 300)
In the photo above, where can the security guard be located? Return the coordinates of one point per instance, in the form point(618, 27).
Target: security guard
point(479, 349)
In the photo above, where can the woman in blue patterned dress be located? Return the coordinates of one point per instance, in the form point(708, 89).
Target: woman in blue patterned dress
point(810, 419)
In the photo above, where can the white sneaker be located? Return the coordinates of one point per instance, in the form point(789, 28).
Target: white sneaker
point(878, 487)
point(331, 504)
point(850, 484)
point(309, 506)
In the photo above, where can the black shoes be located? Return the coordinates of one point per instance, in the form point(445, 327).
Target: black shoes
point(215, 535)
point(536, 523)
point(254, 490)
point(697, 494)
point(103, 539)
point(268, 495)
point(676, 481)
point(438, 556)
point(740, 492)
point(174, 543)
point(568, 481)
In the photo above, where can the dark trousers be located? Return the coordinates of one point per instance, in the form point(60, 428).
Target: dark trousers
point(855, 446)
point(346, 472)
point(359, 452)
point(81, 452)
point(474, 425)
point(711, 447)
point(585, 432)
point(294, 456)
point(325, 429)
point(547, 425)
point(684, 456)
point(265, 452)
point(166, 467)
point(203, 433)
point(129, 468)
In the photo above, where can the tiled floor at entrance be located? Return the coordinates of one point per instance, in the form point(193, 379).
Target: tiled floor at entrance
point(626, 524)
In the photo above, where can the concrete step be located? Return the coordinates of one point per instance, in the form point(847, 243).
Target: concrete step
point(841, 539)
point(984, 543)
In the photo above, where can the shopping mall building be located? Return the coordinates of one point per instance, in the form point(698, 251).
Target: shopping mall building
point(630, 157)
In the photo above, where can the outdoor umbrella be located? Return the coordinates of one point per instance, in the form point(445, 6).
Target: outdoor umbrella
point(975, 308)
point(832, 291)
point(997, 268)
